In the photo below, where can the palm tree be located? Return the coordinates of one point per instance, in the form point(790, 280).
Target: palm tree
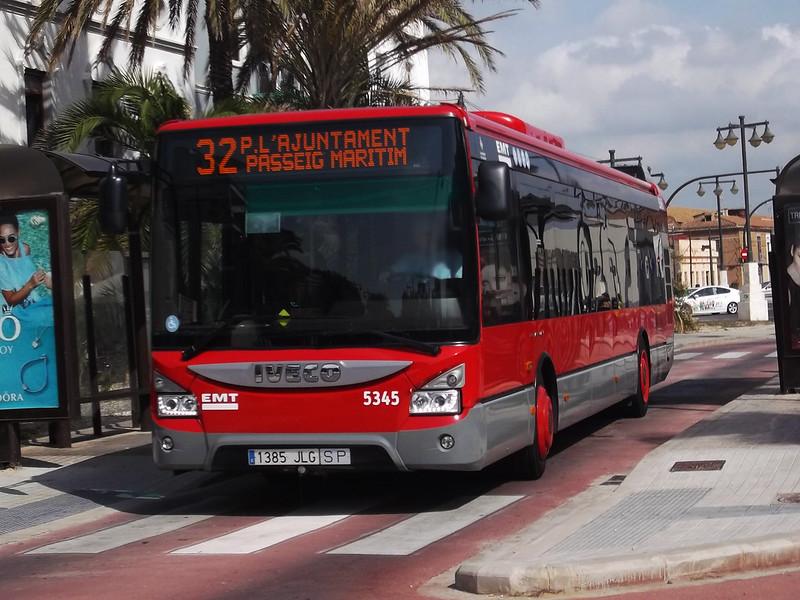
point(322, 45)
point(127, 108)
point(331, 50)
point(70, 25)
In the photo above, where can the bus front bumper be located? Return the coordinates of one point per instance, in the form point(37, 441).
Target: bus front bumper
point(487, 433)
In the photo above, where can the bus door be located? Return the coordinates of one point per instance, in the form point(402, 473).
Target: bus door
point(502, 292)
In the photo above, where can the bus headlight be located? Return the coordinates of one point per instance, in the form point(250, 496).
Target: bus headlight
point(171, 399)
point(439, 396)
point(436, 402)
point(177, 405)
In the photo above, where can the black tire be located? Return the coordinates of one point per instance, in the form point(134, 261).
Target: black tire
point(640, 401)
point(530, 462)
point(733, 308)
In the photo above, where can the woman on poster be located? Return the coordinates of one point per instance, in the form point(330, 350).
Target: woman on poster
point(19, 276)
point(793, 287)
point(27, 376)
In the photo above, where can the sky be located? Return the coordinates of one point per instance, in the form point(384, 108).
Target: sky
point(650, 78)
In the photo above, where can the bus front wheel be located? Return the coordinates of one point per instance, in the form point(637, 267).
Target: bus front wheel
point(532, 460)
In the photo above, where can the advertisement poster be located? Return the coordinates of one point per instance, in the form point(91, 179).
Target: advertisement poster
point(793, 273)
point(28, 375)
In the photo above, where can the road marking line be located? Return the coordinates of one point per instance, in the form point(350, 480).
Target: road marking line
point(772, 355)
point(687, 355)
point(727, 355)
point(262, 535)
point(121, 535)
point(425, 528)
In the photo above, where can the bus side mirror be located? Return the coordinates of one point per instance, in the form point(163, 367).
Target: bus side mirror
point(493, 196)
point(114, 202)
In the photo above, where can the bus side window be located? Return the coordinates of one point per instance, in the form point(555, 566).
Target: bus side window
point(500, 285)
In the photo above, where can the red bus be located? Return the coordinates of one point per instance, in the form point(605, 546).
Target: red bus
point(404, 288)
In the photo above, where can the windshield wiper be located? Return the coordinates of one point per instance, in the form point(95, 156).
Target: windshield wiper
point(392, 339)
point(202, 345)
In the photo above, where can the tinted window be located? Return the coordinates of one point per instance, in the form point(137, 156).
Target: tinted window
point(297, 261)
point(501, 287)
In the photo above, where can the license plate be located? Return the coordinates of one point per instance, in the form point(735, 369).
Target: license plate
point(290, 457)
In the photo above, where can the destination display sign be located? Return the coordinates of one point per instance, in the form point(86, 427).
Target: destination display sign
point(270, 149)
point(304, 151)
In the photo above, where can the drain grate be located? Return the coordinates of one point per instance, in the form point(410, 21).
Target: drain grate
point(793, 498)
point(697, 465)
point(614, 480)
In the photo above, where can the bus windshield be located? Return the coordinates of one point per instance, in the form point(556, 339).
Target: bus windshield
point(284, 256)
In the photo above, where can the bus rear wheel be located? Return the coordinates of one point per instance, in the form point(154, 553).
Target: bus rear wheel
point(530, 462)
point(641, 400)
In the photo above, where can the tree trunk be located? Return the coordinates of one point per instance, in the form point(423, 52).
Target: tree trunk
point(220, 56)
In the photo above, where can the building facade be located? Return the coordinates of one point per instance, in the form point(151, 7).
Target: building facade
point(695, 239)
point(31, 95)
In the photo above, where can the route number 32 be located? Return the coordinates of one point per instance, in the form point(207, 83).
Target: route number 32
point(376, 398)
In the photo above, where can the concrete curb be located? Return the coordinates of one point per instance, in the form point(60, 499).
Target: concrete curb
point(689, 564)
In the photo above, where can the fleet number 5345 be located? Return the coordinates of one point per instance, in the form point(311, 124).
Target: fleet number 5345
point(377, 398)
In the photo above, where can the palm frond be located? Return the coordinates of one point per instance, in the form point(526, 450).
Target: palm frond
point(128, 107)
point(323, 45)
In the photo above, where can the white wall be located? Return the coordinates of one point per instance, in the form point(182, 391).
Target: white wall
point(71, 80)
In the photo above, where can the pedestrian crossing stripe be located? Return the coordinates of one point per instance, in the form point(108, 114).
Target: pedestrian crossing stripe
point(121, 535)
point(424, 529)
point(723, 356)
point(730, 355)
point(263, 535)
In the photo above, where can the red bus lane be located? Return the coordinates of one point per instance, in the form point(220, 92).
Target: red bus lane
point(337, 513)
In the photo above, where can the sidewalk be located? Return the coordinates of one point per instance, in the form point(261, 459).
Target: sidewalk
point(93, 479)
point(710, 335)
point(663, 524)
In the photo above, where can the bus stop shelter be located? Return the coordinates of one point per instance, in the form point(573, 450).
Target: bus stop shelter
point(53, 356)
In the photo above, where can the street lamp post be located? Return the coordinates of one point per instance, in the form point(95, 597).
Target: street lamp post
point(722, 276)
point(755, 141)
point(754, 305)
point(776, 170)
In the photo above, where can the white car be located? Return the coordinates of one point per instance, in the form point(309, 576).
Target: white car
point(713, 299)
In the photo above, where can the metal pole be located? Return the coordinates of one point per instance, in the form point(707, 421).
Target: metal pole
point(719, 228)
point(746, 191)
point(91, 350)
point(130, 334)
point(710, 260)
point(10, 445)
point(691, 269)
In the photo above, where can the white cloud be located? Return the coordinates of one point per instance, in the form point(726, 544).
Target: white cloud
point(653, 78)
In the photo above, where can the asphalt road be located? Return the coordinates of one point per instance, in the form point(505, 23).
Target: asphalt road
point(366, 536)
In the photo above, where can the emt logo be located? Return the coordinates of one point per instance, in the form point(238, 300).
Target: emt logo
point(219, 401)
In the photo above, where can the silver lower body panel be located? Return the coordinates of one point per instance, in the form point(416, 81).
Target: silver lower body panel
point(490, 431)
